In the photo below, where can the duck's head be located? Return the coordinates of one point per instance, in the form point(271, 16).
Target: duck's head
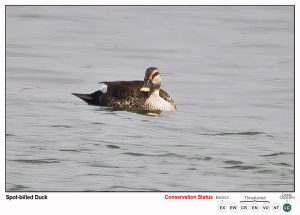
point(152, 80)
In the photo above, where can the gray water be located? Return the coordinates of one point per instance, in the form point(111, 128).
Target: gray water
point(229, 69)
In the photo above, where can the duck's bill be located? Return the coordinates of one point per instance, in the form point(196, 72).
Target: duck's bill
point(147, 86)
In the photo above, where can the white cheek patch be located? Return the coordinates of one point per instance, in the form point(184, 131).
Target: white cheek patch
point(103, 88)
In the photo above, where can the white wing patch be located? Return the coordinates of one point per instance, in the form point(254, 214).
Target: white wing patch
point(103, 88)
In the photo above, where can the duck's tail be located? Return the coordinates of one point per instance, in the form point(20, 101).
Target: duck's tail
point(91, 99)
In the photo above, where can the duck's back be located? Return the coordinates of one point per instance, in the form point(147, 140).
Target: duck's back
point(123, 94)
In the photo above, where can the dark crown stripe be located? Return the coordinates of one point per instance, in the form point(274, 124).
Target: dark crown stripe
point(155, 74)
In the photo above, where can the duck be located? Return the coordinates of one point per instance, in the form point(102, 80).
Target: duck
point(136, 95)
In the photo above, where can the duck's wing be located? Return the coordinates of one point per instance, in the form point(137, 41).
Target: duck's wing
point(163, 94)
point(123, 84)
point(122, 89)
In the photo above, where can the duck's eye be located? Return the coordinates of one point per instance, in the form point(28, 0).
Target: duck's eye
point(155, 74)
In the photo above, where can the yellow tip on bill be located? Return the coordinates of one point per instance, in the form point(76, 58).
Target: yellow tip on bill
point(145, 89)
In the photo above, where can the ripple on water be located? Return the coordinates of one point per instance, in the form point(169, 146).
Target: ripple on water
point(113, 146)
point(17, 187)
point(124, 188)
point(242, 167)
point(70, 150)
point(276, 154)
point(245, 133)
point(37, 147)
point(120, 188)
point(98, 123)
point(136, 154)
point(192, 168)
point(171, 155)
point(233, 162)
point(61, 126)
point(101, 164)
point(37, 161)
point(282, 164)
point(265, 171)
point(204, 158)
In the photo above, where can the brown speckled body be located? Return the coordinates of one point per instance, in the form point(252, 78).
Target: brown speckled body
point(127, 95)
point(133, 95)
